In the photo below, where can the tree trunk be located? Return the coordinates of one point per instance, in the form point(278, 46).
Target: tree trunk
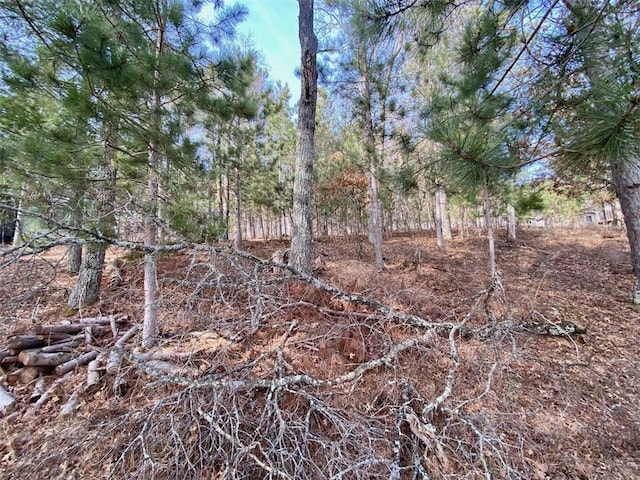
point(626, 177)
point(87, 288)
point(237, 244)
point(444, 214)
point(150, 321)
point(74, 252)
point(300, 254)
point(490, 237)
point(512, 221)
point(19, 223)
point(438, 219)
point(375, 209)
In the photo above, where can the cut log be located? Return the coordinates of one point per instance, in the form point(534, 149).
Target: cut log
point(96, 330)
point(7, 402)
point(70, 407)
point(76, 362)
point(24, 375)
point(113, 363)
point(43, 359)
point(38, 390)
point(104, 320)
point(93, 375)
point(8, 360)
point(61, 347)
point(24, 342)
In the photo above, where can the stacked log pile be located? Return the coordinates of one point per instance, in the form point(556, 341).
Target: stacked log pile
point(35, 360)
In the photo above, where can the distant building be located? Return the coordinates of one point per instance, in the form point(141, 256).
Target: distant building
point(539, 222)
point(604, 215)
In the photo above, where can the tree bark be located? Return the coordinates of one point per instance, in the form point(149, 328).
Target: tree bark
point(150, 321)
point(444, 213)
point(490, 236)
point(87, 288)
point(438, 212)
point(19, 223)
point(375, 209)
point(626, 177)
point(237, 243)
point(74, 252)
point(512, 221)
point(300, 253)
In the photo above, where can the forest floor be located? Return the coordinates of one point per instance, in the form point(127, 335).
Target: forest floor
point(465, 382)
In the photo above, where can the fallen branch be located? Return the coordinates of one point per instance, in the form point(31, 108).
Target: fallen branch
point(43, 359)
point(71, 404)
point(46, 395)
point(113, 362)
point(76, 362)
point(93, 375)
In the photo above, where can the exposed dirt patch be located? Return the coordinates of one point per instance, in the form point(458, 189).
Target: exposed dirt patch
point(523, 405)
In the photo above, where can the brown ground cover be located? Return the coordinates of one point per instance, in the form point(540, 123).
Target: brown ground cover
point(295, 380)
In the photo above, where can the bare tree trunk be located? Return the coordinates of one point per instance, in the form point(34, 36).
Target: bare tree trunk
point(444, 213)
point(512, 221)
point(375, 209)
point(236, 193)
point(150, 320)
point(490, 237)
point(74, 252)
point(87, 287)
point(626, 177)
point(438, 212)
point(300, 254)
point(19, 223)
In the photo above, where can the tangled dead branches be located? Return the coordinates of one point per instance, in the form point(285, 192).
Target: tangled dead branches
point(299, 379)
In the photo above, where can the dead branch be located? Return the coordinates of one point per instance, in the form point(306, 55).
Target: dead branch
point(113, 362)
point(76, 362)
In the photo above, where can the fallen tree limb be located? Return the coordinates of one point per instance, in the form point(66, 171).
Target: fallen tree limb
point(93, 375)
point(46, 395)
point(18, 343)
point(76, 362)
point(113, 362)
point(43, 359)
point(103, 320)
point(284, 381)
point(72, 328)
point(69, 408)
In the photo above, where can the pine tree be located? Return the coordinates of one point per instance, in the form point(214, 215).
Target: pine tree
point(300, 255)
point(597, 103)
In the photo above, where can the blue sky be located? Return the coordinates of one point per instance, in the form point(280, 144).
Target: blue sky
point(273, 26)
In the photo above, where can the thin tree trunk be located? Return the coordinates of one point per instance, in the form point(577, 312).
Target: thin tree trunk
point(19, 223)
point(511, 222)
point(375, 210)
point(438, 212)
point(490, 237)
point(236, 193)
point(446, 218)
point(74, 252)
point(150, 320)
point(302, 235)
